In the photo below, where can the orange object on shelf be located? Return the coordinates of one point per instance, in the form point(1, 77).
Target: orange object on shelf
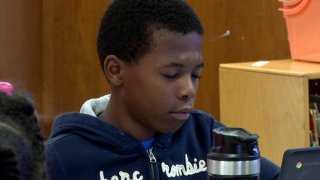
point(303, 26)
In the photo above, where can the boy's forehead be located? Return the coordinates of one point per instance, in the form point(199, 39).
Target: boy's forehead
point(163, 37)
point(174, 46)
point(163, 34)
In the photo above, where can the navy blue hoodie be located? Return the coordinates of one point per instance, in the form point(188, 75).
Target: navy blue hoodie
point(82, 146)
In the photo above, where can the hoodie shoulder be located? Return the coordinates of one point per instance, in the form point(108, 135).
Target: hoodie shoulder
point(89, 128)
point(67, 122)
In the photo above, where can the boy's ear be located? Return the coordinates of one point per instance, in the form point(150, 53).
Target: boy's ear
point(113, 70)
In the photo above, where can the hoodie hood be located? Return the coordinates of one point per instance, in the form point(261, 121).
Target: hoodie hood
point(96, 106)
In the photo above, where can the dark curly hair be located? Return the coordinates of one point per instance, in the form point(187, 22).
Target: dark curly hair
point(127, 26)
point(21, 142)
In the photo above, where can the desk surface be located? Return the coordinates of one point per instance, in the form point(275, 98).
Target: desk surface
point(284, 67)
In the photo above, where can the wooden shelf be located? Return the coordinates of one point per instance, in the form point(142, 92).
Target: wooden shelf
point(271, 100)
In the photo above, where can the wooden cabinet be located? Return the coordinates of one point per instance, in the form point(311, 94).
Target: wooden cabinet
point(271, 100)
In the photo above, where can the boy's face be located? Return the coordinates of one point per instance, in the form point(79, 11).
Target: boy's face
point(159, 91)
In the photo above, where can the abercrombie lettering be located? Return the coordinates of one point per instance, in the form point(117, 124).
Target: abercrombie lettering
point(177, 170)
point(186, 169)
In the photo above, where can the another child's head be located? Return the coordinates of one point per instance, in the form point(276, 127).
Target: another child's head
point(21, 143)
point(151, 55)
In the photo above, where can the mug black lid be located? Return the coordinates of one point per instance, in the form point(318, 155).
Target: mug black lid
point(228, 140)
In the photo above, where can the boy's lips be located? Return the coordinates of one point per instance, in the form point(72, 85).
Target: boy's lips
point(182, 114)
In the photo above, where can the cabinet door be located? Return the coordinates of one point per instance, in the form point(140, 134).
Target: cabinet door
point(271, 105)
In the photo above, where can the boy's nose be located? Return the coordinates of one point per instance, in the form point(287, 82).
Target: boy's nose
point(188, 89)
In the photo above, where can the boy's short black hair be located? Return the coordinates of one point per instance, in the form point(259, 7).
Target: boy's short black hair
point(21, 142)
point(127, 26)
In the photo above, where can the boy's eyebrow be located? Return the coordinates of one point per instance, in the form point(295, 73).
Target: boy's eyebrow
point(180, 65)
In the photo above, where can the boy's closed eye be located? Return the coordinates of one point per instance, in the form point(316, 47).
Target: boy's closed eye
point(176, 75)
point(196, 76)
point(197, 72)
point(171, 75)
point(173, 71)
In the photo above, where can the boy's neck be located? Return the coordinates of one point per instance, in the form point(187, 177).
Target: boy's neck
point(116, 115)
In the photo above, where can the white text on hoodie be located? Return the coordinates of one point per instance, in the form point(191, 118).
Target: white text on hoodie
point(177, 170)
point(186, 169)
point(123, 176)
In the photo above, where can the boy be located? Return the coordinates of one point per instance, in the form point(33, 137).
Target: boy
point(150, 53)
